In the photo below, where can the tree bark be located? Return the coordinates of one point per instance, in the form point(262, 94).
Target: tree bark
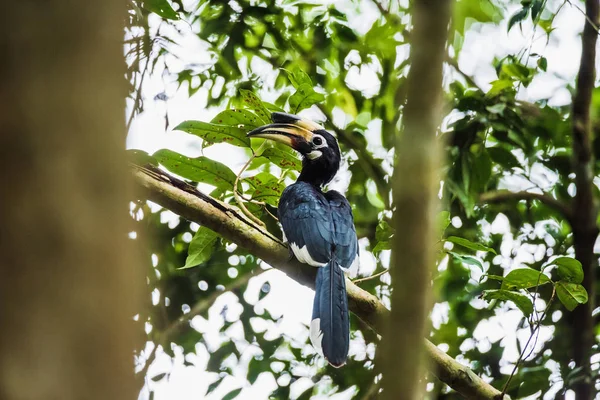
point(415, 188)
point(70, 282)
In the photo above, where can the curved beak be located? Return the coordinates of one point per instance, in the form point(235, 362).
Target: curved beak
point(288, 129)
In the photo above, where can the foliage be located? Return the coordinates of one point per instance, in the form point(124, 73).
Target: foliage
point(495, 258)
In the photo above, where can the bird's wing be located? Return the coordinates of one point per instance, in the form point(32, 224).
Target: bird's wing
point(346, 243)
point(305, 216)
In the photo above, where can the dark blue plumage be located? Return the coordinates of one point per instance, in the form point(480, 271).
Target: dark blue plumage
point(330, 325)
point(319, 228)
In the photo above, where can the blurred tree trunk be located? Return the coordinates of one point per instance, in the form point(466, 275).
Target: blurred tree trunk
point(415, 189)
point(585, 212)
point(69, 282)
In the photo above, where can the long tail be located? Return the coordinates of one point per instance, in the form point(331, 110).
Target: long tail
point(330, 326)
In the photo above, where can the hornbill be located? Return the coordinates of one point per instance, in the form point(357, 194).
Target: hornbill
point(319, 228)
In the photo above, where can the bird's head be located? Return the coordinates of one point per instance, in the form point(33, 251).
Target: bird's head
point(319, 149)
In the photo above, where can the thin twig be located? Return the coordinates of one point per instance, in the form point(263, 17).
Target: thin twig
point(356, 281)
point(500, 196)
point(587, 18)
point(138, 95)
point(522, 356)
point(270, 213)
point(470, 80)
point(236, 194)
point(149, 360)
point(381, 8)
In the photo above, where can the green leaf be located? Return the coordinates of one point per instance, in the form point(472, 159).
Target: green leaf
point(470, 260)
point(466, 171)
point(299, 78)
point(162, 8)
point(383, 236)
point(523, 302)
point(283, 159)
point(260, 179)
point(497, 108)
point(256, 366)
point(304, 97)
point(499, 86)
point(158, 377)
point(381, 39)
point(219, 355)
point(504, 157)
point(214, 385)
point(251, 101)
point(536, 8)
point(458, 191)
point(306, 395)
point(200, 169)
point(524, 278)
point(542, 63)
point(491, 276)
point(469, 245)
point(232, 395)
point(384, 231)
point(517, 17)
point(382, 245)
point(201, 247)
point(268, 191)
point(546, 24)
point(571, 294)
point(481, 171)
point(569, 269)
point(215, 133)
point(140, 157)
point(517, 71)
point(242, 119)
point(466, 11)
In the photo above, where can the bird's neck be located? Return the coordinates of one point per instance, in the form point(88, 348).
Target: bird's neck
point(316, 173)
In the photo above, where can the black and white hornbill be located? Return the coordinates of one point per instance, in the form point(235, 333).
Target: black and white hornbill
point(319, 228)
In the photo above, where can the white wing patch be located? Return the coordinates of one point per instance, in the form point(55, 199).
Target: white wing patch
point(316, 335)
point(303, 256)
point(353, 268)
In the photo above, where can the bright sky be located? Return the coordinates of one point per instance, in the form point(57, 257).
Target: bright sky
point(287, 298)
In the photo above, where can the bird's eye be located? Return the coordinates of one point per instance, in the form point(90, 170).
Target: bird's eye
point(317, 140)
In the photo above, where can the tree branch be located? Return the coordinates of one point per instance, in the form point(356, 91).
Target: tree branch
point(458, 377)
point(470, 80)
point(183, 199)
point(500, 196)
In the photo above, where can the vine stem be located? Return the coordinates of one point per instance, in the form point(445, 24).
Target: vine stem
point(533, 333)
point(236, 194)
